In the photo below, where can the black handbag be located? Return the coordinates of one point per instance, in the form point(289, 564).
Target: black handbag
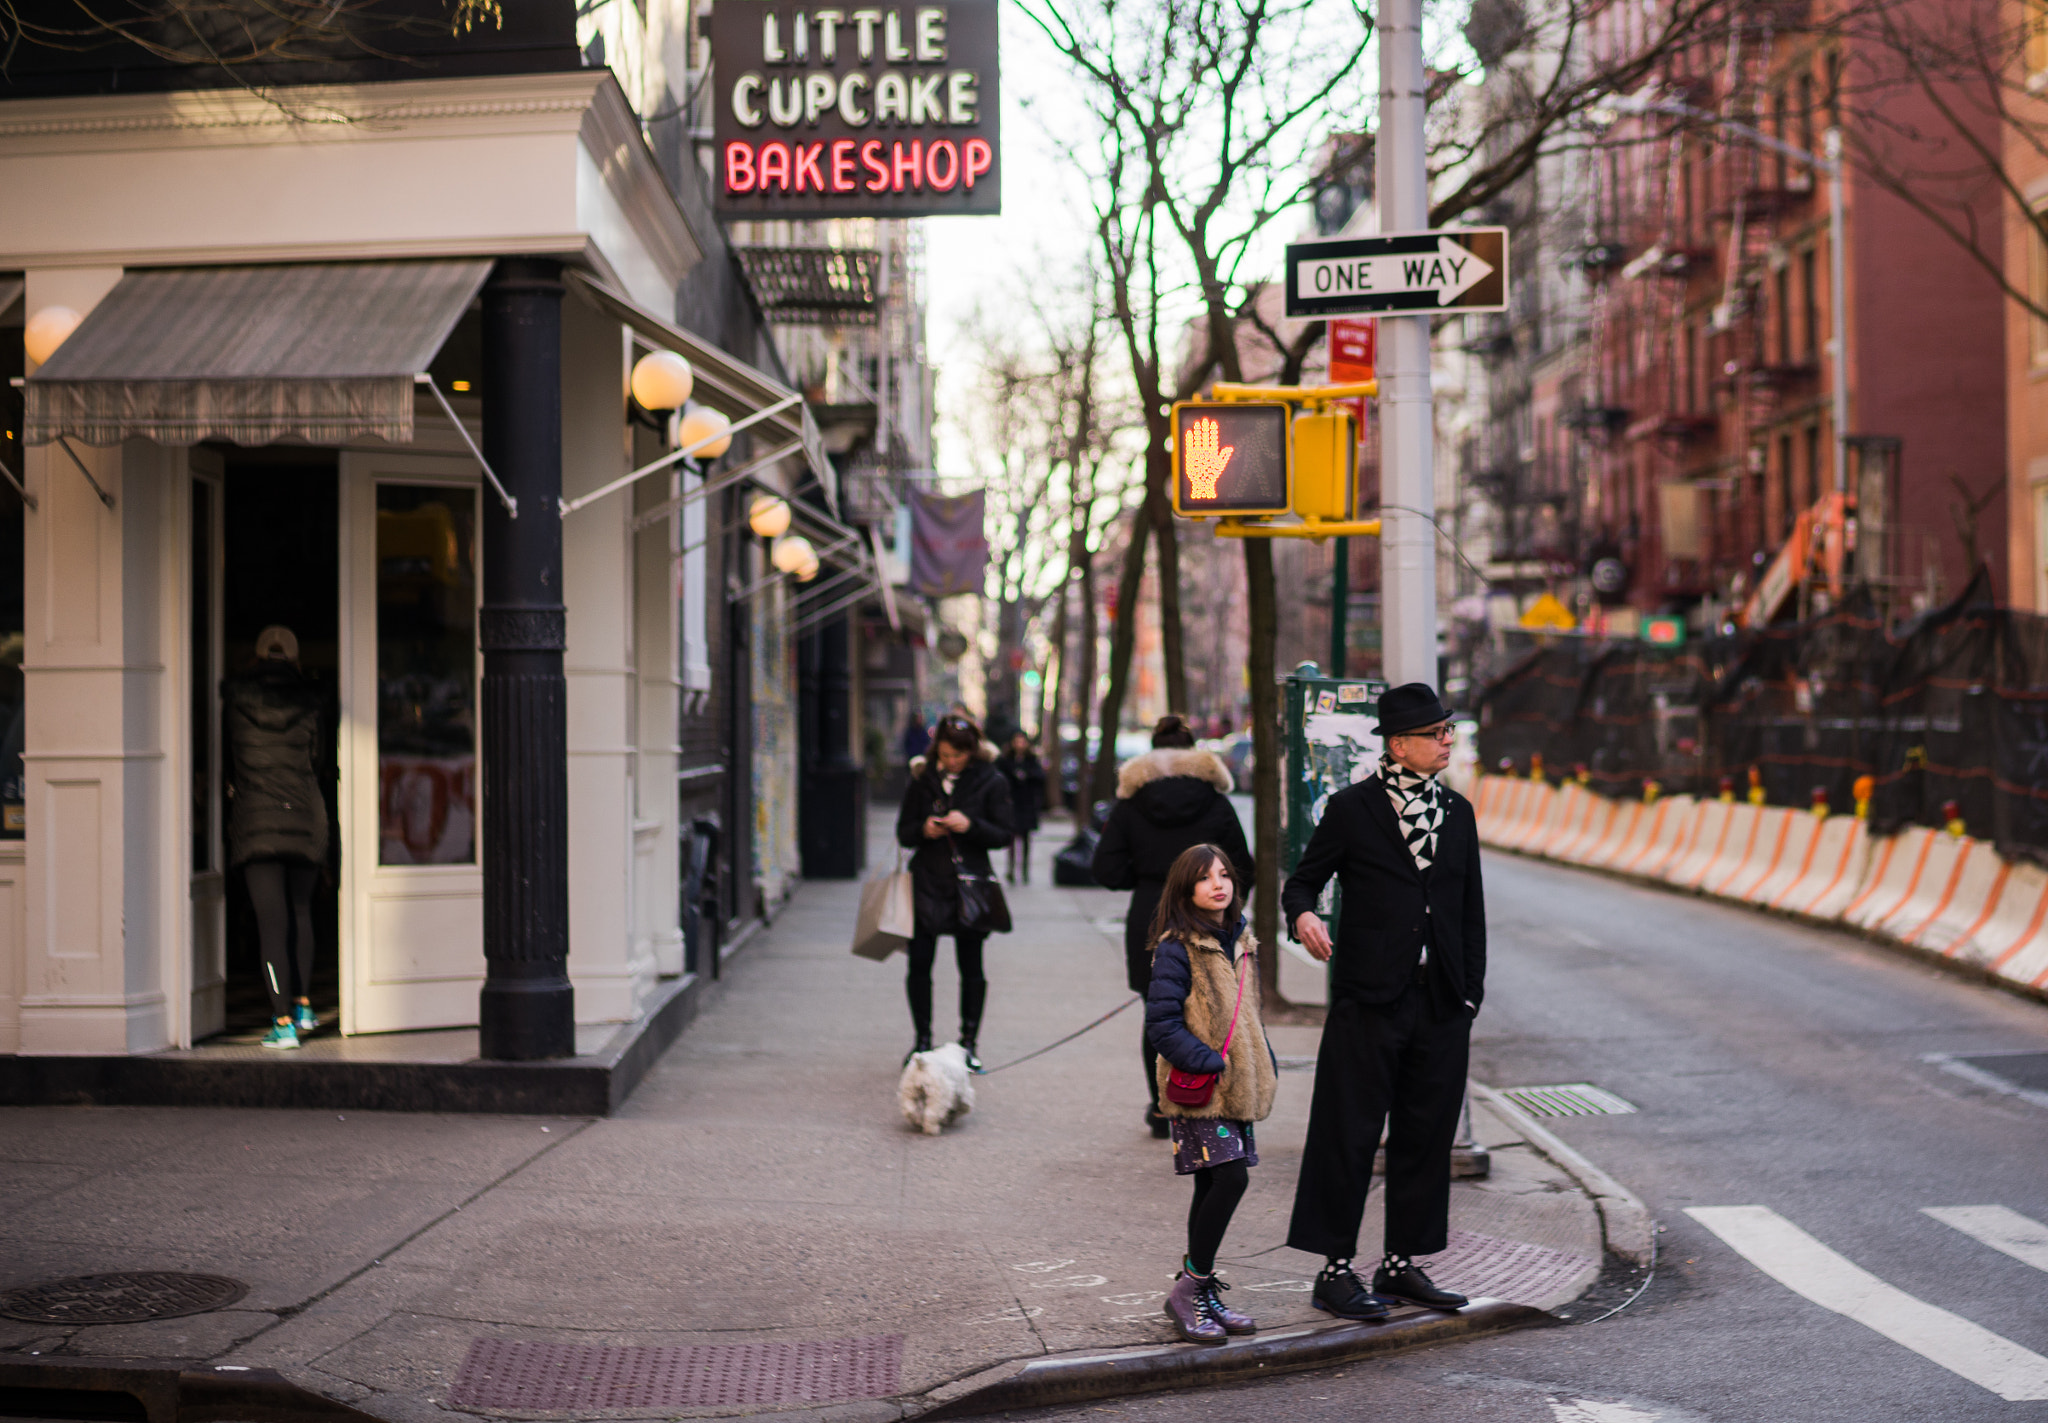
point(983, 910)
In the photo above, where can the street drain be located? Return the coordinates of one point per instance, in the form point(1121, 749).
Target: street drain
point(531, 1376)
point(1571, 1099)
point(120, 1299)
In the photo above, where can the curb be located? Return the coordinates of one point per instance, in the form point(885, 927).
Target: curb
point(1150, 1369)
point(1625, 1222)
point(161, 1391)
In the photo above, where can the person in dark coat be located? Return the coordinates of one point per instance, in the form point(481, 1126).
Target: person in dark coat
point(277, 819)
point(1167, 800)
point(1407, 976)
point(1020, 766)
point(955, 810)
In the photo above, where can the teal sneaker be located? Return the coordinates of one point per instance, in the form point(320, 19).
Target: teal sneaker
point(281, 1035)
point(304, 1019)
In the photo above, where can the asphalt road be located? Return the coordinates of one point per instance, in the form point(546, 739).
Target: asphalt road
point(1775, 1067)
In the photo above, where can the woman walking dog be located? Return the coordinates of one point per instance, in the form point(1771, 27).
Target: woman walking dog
point(955, 810)
point(1217, 1074)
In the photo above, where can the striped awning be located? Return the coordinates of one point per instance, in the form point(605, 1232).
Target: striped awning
point(321, 352)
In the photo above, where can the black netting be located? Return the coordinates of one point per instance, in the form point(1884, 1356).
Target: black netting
point(1952, 708)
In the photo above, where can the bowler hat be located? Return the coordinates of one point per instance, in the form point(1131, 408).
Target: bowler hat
point(1405, 708)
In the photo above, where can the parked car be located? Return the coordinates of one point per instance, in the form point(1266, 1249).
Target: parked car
point(1235, 751)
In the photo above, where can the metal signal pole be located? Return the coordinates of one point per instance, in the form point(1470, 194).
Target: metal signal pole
point(1408, 459)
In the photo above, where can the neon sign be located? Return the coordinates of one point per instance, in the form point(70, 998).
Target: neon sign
point(890, 111)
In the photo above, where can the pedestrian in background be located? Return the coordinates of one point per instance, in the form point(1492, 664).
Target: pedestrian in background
point(955, 810)
point(1020, 766)
point(1407, 976)
point(1169, 799)
point(916, 739)
point(1202, 1016)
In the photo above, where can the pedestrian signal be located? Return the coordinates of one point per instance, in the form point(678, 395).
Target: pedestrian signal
point(1231, 458)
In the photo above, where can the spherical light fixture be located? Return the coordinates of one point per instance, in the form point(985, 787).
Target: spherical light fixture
point(702, 423)
point(47, 330)
point(768, 516)
point(662, 380)
point(792, 553)
point(808, 571)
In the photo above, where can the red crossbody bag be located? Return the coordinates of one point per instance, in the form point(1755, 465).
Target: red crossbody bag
point(1193, 1089)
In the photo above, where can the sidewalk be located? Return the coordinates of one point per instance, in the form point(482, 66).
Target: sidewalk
point(759, 1189)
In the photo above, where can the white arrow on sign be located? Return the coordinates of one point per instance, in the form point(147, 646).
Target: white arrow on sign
point(1449, 272)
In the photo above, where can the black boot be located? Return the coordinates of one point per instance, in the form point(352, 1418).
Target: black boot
point(919, 991)
point(972, 996)
point(923, 1044)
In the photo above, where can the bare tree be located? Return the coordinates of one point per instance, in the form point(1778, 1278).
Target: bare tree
point(235, 35)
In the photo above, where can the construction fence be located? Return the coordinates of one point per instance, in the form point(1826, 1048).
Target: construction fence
point(1947, 717)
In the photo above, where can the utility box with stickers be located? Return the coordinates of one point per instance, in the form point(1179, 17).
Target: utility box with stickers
point(1330, 743)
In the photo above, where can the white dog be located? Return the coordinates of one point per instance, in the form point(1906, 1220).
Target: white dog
point(937, 1090)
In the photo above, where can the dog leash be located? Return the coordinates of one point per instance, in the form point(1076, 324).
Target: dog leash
point(1134, 998)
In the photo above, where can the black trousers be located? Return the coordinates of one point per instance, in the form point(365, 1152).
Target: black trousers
point(281, 893)
point(917, 985)
point(1401, 1065)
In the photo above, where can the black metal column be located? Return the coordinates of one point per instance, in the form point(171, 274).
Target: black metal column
point(831, 792)
point(528, 1007)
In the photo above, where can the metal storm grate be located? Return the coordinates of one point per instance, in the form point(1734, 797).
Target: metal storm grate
point(1571, 1099)
point(1505, 1269)
point(531, 1376)
point(120, 1299)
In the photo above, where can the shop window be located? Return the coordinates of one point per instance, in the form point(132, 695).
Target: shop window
point(426, 675)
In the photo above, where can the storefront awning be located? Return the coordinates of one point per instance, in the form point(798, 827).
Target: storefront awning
point(322, 352)
point(724, 382)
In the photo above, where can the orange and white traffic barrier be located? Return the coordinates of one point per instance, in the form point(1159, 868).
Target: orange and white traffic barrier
point(1749, 862)
point(1967, 903)
point(1576, 845)
point(1795, 861)
point(1670, 821)
point(2013, 942)
point(1629, 819)
point(1574, 805)
point(1896, 867)
point(1532, 825)
point(1841, 865)
point(1703, 837)
point(1786, 839)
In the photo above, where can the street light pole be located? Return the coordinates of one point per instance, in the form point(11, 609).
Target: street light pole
point(1407, 478)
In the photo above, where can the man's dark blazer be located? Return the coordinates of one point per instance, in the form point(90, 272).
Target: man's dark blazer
point(1388, 912)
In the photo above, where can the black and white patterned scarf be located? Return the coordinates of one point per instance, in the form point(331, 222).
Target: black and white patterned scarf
point(1418, 803)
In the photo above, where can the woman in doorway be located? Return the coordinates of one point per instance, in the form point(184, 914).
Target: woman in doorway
point(955, 810)
point(1168, 800)
point(1020, 766)
point(277, 820)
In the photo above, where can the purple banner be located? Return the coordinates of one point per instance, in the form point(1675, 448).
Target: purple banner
point(948, 550)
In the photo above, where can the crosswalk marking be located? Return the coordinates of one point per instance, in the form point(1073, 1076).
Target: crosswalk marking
point(1805, 1266)
point(2001, 1229)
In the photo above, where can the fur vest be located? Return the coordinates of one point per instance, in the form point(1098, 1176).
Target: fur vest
point(1250, 1080)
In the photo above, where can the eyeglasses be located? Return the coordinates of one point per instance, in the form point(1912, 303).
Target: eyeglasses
point(1445, 733)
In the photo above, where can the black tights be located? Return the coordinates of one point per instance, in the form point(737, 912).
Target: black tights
point(1020, 856)
point(1218, 1189)
point(281, 893)
point(924, 948)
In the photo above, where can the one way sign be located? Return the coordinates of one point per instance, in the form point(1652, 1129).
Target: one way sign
point(1453, 269)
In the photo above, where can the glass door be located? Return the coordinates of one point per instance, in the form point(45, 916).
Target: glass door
point(206, 616)
point(413, 922)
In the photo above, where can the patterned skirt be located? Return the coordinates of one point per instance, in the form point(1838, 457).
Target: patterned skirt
point(1202, 1142)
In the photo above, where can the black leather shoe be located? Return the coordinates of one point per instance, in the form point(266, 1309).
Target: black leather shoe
point(923, 1044)
point(1347, 1298)
point(1411, 1286)
point(973, 1059)
point(1158, 1124)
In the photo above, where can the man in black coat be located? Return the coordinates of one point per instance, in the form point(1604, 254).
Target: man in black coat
point(1408, 973)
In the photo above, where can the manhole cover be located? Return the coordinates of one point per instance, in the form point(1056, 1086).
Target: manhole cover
point(533, 1376)
point(120, 1299)
point(1570, 1099)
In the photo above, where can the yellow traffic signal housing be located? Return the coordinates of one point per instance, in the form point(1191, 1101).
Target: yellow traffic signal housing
point(1325, 465)
point(1232, 458)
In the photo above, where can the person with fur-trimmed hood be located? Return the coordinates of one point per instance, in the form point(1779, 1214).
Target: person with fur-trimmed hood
point(1170, 799)
point(956, 803)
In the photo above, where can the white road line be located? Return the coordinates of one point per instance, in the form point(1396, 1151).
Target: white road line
point(2001, 1229)
point(1586, 1410)
point(1806, 1267)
